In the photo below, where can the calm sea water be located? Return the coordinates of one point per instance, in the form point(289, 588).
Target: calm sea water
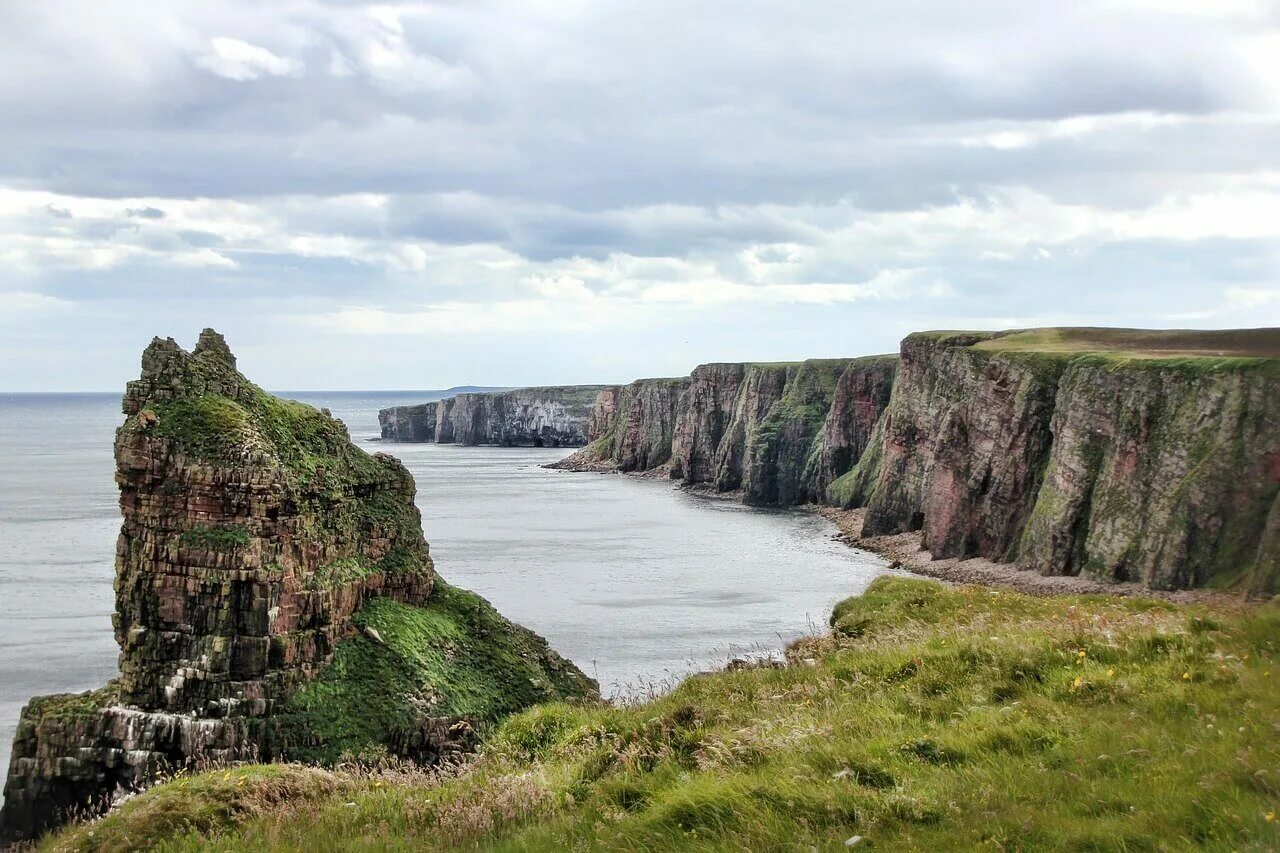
point(635, 581)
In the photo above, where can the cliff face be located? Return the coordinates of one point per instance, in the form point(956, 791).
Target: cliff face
point(780, 464)
point(252, 531)
point(645, 423)
point(409, 423)
point(704, 416)
point(862, 394)
point(526, 417)
point(255, 539)
point(1163, 474)
point(1118, 454)
point(444, 421)
point(766, 429)
point(604, 413)
point(962, 447)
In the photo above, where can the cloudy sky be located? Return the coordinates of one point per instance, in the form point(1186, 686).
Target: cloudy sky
point(419, 195)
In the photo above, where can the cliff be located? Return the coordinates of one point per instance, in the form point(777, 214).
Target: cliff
point(1119, 455)
point(1115, 454)
point(415, 423)
point(272, 582)
point(779, 433)
point(636, 425)
point(525, 417)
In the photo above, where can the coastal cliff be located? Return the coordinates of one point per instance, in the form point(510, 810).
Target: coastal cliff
point(525, 417)
point(1119, 455)
point(779, 433)
point(415, 423)
point(275, 598)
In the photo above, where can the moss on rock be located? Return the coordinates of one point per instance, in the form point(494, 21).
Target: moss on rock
point(454, 657)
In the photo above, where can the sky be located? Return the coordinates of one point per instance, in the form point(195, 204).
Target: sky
point(421, 195)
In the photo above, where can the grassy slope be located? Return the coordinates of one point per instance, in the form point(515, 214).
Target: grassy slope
point(454, 657)
point(932, 718)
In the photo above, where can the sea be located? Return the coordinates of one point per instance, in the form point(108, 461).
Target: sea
point(636, 581)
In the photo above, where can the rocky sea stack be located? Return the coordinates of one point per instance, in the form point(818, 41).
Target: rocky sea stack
point(275, 598)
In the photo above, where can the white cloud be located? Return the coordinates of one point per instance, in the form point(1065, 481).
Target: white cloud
point(20, 305)
point(238, 60)
point(375, 45)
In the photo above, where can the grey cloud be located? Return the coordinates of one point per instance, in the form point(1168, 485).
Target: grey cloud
point(682, 134)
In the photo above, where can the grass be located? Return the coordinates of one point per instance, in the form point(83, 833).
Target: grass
point(453, 657)
point(64, 705)
point(224, 538)
point(929, 718)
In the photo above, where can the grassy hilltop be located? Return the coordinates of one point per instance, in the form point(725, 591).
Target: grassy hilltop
point(929, 718)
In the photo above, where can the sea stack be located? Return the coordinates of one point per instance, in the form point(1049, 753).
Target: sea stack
point(256, 540)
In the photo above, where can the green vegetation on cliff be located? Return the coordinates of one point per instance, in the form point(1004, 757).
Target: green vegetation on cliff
point(453, 657)
point(930, 718)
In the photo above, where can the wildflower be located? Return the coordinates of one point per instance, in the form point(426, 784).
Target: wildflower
point(1270, 816)
point(1077, 684)
point(1111, 673)
point(1186, 676)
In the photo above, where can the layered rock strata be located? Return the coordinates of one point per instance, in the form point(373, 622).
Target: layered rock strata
point(255, 535)
point(765, 430)
point(1117, 455)
point(525, 417)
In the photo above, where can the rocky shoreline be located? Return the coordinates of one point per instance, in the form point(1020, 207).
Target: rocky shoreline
point(906, 551)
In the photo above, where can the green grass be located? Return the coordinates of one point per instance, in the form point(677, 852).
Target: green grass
point(63, 705)
point(223, 538)
point(930, 718)
point(454, 657)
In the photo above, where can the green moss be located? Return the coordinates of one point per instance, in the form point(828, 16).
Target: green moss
point(455, 656)
point(69, 705)
point(207, 427)
point(223, 538)
point(205, 803)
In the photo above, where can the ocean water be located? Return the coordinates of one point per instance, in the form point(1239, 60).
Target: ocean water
point(637, 582)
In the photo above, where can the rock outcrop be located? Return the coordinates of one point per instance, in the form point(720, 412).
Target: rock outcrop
point(255, 543)
point(1115, 454)
point(525, 417)
point(416, 423)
